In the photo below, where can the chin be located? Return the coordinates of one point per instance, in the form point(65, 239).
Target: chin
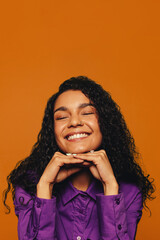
point(78, 150)
point(82, 150)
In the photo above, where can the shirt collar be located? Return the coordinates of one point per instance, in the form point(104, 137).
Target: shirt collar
point(68, 191)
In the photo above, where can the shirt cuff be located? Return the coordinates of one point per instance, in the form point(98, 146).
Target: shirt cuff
point(111, 214)
point(48, 206)
point(44, 217)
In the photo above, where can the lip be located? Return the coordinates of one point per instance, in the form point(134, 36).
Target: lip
point(76, 139)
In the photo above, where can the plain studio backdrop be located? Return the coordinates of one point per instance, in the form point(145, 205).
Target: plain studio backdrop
point(43, 43)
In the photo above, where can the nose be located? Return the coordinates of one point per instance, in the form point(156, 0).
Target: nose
point(75, 121)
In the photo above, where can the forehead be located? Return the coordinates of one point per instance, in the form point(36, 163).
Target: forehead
point(71, 98)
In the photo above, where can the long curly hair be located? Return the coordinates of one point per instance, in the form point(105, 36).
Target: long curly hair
point(117, 141)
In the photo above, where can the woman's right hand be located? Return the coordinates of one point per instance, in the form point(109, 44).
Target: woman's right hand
point(54, 173)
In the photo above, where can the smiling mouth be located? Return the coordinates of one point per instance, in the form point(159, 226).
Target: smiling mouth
point(77, 136)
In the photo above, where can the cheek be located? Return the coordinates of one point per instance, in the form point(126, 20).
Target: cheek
point(95, 125)
point(97, 132)
point(57, 131)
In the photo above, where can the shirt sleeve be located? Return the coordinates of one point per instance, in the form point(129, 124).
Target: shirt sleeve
point(36, 216)
point(119, 215)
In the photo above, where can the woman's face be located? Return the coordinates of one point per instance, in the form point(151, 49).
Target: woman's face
point(76, 124)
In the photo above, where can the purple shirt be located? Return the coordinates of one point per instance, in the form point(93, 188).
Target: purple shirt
point(79, 215)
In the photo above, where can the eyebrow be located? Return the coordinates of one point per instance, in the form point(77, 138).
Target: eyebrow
point(82, 105)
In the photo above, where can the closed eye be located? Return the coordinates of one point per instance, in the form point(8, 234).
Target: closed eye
point(88, 113)
point(60, 118)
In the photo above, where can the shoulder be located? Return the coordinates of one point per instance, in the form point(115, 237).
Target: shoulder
point(19, 191)
point(31, 179)
point(21, 196)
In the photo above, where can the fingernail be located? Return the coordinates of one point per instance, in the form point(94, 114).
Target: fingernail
point(92, 151)
point(68, 154)
point(74, 154)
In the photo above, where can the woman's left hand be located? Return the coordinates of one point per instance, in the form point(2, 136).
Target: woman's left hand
point(101, 169)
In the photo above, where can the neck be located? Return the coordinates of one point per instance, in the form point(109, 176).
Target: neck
point(82, 179)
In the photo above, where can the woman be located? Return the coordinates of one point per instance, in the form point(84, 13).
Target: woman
point(81, 180)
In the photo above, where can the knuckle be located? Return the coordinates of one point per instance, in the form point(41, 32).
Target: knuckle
point(56, 153)
point(103, 151)
point(54, 156)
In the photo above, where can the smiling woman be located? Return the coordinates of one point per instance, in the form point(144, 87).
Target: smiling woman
point(81, 180)
point(76, 123)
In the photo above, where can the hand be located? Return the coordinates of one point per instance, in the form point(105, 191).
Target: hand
point(59, 168)
point(101, 169)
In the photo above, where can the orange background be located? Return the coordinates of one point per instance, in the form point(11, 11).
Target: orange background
point(44, 43)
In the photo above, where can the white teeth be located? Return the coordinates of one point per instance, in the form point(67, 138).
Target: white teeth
point(79, 135)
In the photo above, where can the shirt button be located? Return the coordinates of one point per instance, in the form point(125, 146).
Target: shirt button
point(119, 226)
point(117, 201)
point(21, 200)
point(38, 204)
point(78, 238)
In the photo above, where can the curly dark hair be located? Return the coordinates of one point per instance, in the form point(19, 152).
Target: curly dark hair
point(117, 141)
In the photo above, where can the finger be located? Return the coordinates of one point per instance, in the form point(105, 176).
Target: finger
point(88, 157)
point(85, 163)
point(92, 153)
point(94, 172)
point(64, 160)
point(72, 160)
point(59, 154)
point(67, 158)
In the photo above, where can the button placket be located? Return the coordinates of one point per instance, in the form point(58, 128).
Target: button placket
point(80, 204)
point(81, 211)
point(84, 197)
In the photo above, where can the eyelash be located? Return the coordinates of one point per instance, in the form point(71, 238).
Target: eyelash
point(60, 118)
point(88, 113)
